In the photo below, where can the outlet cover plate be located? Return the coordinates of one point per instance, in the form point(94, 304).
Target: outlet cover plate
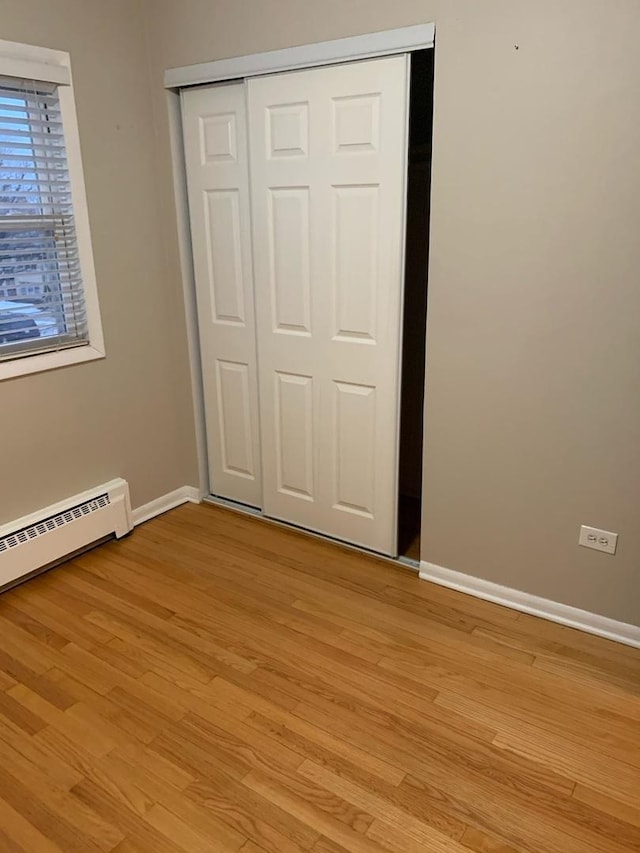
point(599, 540)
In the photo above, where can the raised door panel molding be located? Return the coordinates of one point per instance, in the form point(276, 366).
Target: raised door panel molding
point(294, 434)
point(288, 130)
point(234, 418)
point(354, 448)
point(224, 252)
point(218, 137)
point(355, 267)
point(289, 277)
point(357, 124)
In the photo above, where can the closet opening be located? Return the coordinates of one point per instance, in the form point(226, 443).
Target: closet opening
point(415, 304)
point(303, 419)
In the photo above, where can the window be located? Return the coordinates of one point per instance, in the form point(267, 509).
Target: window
point(49, 315)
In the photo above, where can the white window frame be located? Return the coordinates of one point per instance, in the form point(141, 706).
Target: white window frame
point(54, 66)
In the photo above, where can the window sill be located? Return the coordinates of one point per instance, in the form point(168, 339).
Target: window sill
point(48, 361)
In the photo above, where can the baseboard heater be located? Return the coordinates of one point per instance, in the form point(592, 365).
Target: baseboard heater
point(48, 536)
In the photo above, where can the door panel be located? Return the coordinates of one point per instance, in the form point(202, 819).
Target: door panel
point(357, 123)
point(355, 221)
point(294, 435)
point(355, 419)
point(328, 159)
point(289, 261)
point(234, 419)
point(215, 138)
point(287, 130)
point(222, 228)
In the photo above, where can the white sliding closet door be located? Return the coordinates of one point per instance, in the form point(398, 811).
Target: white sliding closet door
point(328, 152)
point(215, 138)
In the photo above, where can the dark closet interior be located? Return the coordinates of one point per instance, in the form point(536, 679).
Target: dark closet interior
point(415, 304)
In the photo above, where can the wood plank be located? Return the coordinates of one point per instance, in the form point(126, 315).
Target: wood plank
point(549, 822)
point(482, 842)
point(277, 829)
point(150, 625)
point(563, 643)
point(24, 833)
point(103, 773)
point(325, 813)
point(54, 811)
point(384, 810)
point(15, 672)
point(210, 692)
point(204, 747)
point(609, 804)
point(181, 834)
point(393, 837)
point(325, 845)
point(41, 632)
point(206, 701)
point(18, 713)
point(453, 752)
point(97, 740)
point(166, 783)
point(22, 646)
point(40, 606)
point(507, 714)
point(312, 742)
point(55, 767)
point(112, 809)
point(147, 840)
point(8, 845)
point(252, 847)
point(142, 760)
point(615, 682)
point(602, 773)
point(578, 642)
point(216, 683)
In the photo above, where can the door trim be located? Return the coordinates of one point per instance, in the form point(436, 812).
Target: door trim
point(385, 43)
point(188, 282)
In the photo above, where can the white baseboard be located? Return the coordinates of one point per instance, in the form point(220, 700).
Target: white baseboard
point(592, 623)
point(186, 494)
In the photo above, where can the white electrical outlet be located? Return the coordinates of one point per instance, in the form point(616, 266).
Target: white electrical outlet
point(600, 540)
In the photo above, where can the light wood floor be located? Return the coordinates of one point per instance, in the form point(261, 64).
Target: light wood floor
point(214, 683)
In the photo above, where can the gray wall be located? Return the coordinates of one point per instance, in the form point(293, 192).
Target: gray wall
point(533, 358)
point(533, 376)
point(129, 415)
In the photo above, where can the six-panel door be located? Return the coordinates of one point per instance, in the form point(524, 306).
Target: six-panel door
point(328, 159)
point(215, 139)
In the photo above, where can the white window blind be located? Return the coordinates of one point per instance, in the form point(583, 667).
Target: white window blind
point(42, 305)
